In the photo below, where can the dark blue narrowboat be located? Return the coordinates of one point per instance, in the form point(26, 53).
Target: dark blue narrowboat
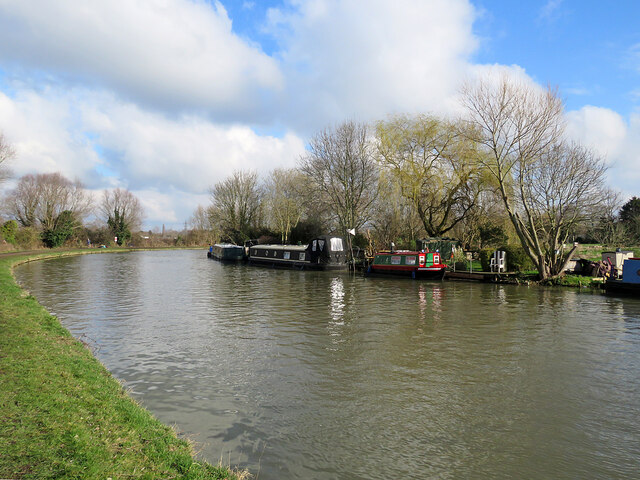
point(630, 281)
point(322, 253)
point(227, 252)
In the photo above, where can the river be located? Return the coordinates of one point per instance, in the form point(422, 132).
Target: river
point(315, 375)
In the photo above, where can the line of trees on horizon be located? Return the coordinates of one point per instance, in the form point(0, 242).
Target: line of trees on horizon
point(504, 174)
point(51, 210)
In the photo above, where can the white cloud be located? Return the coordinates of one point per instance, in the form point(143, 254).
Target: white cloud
point(366, 60)
point(171, 53)
point(598, 128)
point(616, 139)
point(550, 10)
point(106, 142)
point(44, 132)
point(188, 154)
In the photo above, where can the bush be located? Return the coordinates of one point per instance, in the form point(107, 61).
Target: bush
point(28, 238)
point(9, 230)
point(485, 258)
point(517, 259)
point(65, 225)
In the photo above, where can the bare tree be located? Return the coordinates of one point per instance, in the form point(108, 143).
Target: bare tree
point(203, 230)
point(201, 219)
point(122, 212)
point(22, 202)
point(342, 174)
point(285, 201)
point(6, 154)
point(39, 200)
point(236, 205)
point(545, 184)
point(435, 166)
point(604, 226)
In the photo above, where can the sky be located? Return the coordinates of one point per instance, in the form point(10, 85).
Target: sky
point(168, 97)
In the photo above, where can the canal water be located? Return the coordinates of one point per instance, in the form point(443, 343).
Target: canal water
point(313, 375)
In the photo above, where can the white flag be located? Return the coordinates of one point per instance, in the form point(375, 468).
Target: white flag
point(352, 231)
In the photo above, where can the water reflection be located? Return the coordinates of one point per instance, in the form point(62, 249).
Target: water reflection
point(320, 375)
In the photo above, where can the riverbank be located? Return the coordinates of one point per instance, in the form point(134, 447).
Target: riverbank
point(62, 414)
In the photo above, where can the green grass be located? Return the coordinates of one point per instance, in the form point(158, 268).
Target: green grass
point(62, 414)
point(577, 281)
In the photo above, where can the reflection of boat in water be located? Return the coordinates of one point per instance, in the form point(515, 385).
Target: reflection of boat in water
point(408, 263)
point(226, 252)
point(322, 253)
point(630, 282)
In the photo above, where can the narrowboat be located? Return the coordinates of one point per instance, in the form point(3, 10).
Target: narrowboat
point(227, 252)
point(408, 263)
point(322, 253)
point(630, 281)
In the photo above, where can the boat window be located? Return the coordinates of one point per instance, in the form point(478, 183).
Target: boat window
point(315, 245)
point(410, 260)
point(302, 256)
point(336, 244)
point(395, 260)
point(320, 245)
point(275, 253)
point(287, 255)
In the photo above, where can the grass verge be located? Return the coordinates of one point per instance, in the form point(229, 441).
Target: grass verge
point(576, 281)
point(62, 414)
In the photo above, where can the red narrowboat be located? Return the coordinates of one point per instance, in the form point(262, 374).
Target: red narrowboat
point(413, 264)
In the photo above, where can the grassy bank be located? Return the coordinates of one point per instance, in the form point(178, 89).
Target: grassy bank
point(62, 414)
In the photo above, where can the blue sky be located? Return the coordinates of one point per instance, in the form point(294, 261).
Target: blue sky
point(589, 49)
point(167, 97)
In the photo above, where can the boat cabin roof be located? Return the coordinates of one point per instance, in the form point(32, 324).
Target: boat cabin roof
point(290, 248)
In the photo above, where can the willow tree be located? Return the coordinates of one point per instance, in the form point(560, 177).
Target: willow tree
point(546, 185)
point(435, 166)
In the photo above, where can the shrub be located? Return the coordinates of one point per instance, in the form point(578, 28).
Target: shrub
point(28, 238)
point(517, 259)
point(9, 230)
point(65, 225)
point(485, 258)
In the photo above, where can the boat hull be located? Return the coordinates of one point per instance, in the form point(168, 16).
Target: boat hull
point(618, 286)
point(435, 273)
point(227, 253)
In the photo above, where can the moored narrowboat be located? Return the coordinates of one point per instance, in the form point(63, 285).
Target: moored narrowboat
point(630, 281)
point(227, 252)
point(408, 263)
point(322, 253)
